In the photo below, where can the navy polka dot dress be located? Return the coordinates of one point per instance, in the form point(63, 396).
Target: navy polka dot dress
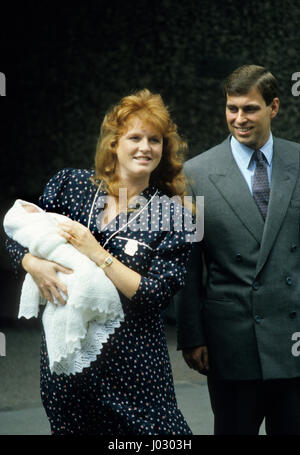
point(128, 389)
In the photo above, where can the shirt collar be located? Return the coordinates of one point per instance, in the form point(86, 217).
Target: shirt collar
point(244, 153)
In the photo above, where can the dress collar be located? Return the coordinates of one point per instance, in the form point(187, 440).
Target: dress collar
point(148, 192)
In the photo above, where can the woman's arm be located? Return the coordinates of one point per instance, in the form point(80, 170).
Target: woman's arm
point(44, 273)
point(125, 279)
point(166, 274)
point(16, 253)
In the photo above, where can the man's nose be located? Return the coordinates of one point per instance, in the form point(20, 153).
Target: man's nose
point(240, 116)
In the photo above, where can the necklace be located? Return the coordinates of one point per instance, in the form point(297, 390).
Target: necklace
point(132, 219)
point(92, 208)
point(122, 227)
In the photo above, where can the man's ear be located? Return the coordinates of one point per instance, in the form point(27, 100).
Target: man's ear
point(274, 107)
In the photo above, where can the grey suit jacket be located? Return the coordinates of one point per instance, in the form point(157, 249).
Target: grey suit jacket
point(242, 297)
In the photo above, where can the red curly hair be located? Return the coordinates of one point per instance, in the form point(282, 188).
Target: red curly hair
point(149, 108)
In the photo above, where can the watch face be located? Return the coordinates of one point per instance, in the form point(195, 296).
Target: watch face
point(108, 260)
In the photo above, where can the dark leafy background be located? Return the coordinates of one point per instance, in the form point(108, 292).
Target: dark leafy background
point(67, 63)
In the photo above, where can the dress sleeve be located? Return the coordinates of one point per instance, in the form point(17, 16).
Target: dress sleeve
point(54, 197)
point(167, 272)
point(51, 200)
point(16, 253)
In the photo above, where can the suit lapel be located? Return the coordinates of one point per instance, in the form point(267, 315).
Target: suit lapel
point(234, 189)
point(284, 176)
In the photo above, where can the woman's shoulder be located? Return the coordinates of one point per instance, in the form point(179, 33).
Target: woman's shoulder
point(175, 202)
point(74, 173)
point(174, 210)
point(71, 176)
point(63, 186)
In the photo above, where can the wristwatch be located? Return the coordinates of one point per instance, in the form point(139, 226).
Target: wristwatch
point(108, 261)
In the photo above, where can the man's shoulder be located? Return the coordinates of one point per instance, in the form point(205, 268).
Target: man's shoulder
point(283, 143)
point(208, 158)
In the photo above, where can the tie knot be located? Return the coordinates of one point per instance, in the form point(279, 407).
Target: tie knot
point(259, 157)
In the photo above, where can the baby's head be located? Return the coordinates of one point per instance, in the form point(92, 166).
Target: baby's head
point(30, 208)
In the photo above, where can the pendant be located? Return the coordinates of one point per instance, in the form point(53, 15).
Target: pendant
point(131, 247)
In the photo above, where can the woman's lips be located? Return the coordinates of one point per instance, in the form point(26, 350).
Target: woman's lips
point(143, 159)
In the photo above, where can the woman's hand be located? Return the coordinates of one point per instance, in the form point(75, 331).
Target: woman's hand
point(44, 273)
point(81, 238)
point(126, 280)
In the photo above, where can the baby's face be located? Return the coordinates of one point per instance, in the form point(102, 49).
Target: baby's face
point(30, 208)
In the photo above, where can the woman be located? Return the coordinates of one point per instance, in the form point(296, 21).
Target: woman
point(129, 388)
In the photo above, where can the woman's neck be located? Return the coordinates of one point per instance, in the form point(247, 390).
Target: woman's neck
point(121, 203)
point(134, 188)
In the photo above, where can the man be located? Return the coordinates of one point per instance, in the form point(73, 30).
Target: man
point(236, 321)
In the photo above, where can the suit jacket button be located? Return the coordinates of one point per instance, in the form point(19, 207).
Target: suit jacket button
point(238, 257)
point(293, 248)
point(289, 281)
point(256, 285)
point(293, 314)
point(258, 318)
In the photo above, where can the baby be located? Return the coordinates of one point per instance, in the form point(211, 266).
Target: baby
point(75, 331)
point(30, 208)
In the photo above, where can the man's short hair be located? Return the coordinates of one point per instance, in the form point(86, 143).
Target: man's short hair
point(247, 77)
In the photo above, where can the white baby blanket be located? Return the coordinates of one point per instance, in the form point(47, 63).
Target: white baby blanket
point(75, 332)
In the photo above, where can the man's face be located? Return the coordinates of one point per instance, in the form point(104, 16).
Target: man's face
point(249, 118)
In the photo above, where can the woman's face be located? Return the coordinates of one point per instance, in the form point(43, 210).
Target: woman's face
point(138, 151)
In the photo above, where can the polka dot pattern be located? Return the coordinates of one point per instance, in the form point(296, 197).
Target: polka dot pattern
point(129, 388)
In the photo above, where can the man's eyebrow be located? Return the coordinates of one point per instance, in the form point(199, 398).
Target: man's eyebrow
point(246, 106)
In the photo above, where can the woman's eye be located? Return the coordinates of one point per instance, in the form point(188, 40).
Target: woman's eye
point(153, 140)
